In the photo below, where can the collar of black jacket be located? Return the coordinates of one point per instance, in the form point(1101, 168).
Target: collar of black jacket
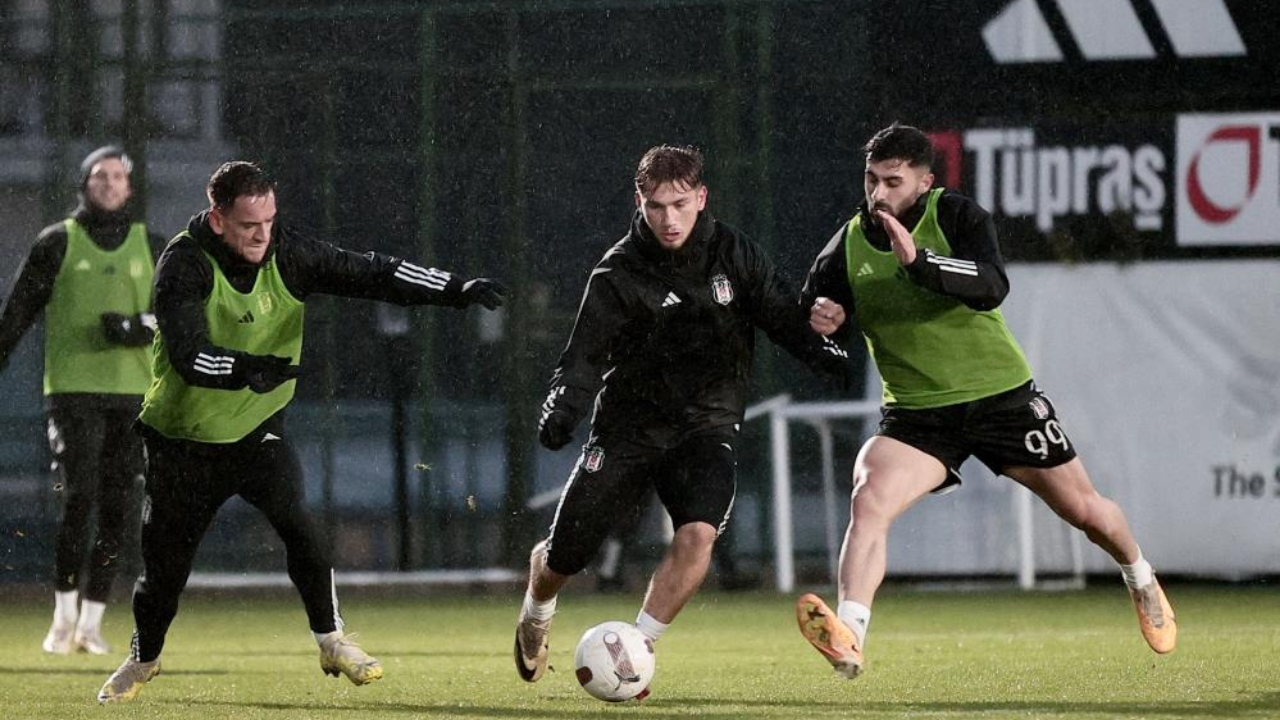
point(875, 232)
point(213, 244)
point(108, 229)
point(691, 253)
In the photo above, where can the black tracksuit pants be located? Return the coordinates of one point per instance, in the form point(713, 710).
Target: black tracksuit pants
point(186, 484)
point(99, 460)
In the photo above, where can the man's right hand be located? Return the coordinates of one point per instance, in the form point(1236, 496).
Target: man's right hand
point(264, 373)
point(555, 429)
point(826, 316)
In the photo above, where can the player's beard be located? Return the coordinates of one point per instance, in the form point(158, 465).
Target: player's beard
point(874, 209)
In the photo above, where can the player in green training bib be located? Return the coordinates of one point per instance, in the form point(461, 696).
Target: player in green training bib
point(918, 272)
point(230, 295)
point(90, 275)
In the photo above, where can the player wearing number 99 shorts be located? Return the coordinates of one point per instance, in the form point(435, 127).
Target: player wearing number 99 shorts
point(1017, 427)
point(918, 272)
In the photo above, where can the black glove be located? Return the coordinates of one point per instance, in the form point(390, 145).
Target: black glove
point(555, 429)
point(128, 330)
point(264, 373)
point(485, 291)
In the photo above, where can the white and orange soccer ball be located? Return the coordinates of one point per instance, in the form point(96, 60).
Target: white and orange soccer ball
point(614, 662)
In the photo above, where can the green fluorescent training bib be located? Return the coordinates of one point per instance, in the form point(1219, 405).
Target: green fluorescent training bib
point(265, 321)
point(931, 350)
point(92, 281)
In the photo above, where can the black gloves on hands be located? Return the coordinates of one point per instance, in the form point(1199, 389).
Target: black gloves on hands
point(264, 373)
point(558, 418)
point(484, 291)
point(128, 330)
point(555, 429)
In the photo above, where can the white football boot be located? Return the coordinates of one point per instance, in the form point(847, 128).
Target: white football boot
point(61, 639)
point(339, 653)
point(127, 681)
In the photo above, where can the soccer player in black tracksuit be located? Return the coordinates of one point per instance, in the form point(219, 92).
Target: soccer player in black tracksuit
point(91, 277)
point(663, 347)
point(230, 292)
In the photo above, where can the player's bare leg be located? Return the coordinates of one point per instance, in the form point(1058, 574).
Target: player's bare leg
point(533, 629)
point(1067, 490)
point(889, 477)
point(678, 576)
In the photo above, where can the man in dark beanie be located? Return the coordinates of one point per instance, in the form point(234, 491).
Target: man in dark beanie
point(91, 275)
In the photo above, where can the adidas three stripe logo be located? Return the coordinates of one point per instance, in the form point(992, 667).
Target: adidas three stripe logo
point(1108, 30)
point(671, 300)
point(953, 265)
point(214, 364)
point(426, 277)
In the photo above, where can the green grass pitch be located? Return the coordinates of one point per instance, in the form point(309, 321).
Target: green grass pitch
point(1072, 655)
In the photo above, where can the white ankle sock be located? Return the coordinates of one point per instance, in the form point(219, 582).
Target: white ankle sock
point(91, 615)
point(1138, 574)
point(538, 609)
point(857, 616)
point(65, 607)
point(650, 627)
point(321, 637)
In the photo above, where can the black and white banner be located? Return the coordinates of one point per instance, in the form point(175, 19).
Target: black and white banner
point(1167, 377)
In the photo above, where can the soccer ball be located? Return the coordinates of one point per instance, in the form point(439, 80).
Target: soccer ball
point(614, 662)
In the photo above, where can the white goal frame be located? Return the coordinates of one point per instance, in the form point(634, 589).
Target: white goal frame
point(781, 412)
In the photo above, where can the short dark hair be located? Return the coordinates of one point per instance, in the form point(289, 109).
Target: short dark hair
point(900, 142)
point(236, 178)
point(669, 164)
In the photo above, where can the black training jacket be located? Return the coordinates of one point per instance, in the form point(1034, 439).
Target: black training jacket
point(664, 340)
point(184, 280)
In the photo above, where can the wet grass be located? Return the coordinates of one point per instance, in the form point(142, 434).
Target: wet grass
point(1070, 655)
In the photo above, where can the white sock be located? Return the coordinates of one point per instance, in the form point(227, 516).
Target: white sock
point(650, 627)
point(1137, 575)
point(538, 609)
point(91, 615)
point(857, 616)
point(66, 607)
point(321, 637)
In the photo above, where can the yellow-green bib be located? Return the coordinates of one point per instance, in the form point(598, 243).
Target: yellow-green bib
point(267, 320)
point(931, 350)
point(93, 281)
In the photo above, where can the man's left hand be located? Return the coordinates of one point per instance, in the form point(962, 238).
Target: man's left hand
point(904, 246)
point(485, 291)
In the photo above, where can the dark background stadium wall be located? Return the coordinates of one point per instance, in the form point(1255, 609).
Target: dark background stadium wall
point(535, 118)
point(501, 138)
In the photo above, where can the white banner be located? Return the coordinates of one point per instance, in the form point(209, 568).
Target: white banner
point(1228, 179)
point(1167, 377)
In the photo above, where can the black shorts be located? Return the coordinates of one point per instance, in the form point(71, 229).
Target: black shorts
point(695, 480)
point(1018, 427)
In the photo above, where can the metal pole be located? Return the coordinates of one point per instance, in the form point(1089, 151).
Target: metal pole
point(784, 562)
point(829, 500)
point(519, 405)
point(1026, 538)
point(329, 312)
point(426, 244)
